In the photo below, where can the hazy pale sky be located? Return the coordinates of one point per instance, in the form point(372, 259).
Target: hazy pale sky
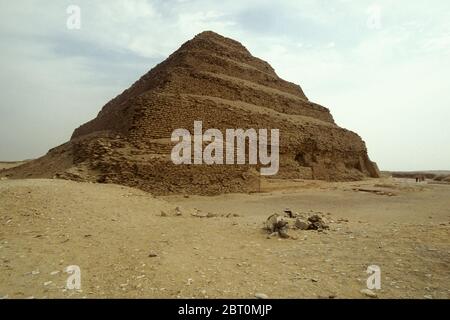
point(382, 67)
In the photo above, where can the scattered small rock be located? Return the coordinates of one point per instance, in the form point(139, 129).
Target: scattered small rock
point(278, 224)
point(283, 234)
point(317, 223)
point(273, 234)
point(290, 214)
point(369, 293)
point(261, 296)
point(275, 223)
point(199, 214)
point(301, 224)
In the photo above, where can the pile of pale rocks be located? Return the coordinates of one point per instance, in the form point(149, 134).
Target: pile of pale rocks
point(279, 224)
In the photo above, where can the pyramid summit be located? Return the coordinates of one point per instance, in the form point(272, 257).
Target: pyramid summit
point(215, 80)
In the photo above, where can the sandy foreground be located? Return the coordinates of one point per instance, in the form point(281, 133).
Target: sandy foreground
point(125, 248)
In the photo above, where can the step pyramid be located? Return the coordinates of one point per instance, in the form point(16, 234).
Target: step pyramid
point(215, 80)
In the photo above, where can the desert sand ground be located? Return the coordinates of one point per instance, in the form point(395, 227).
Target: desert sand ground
point(125, 248)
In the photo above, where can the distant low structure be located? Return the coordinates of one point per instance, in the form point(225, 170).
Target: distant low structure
point(420, 176)
point(215, 80)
